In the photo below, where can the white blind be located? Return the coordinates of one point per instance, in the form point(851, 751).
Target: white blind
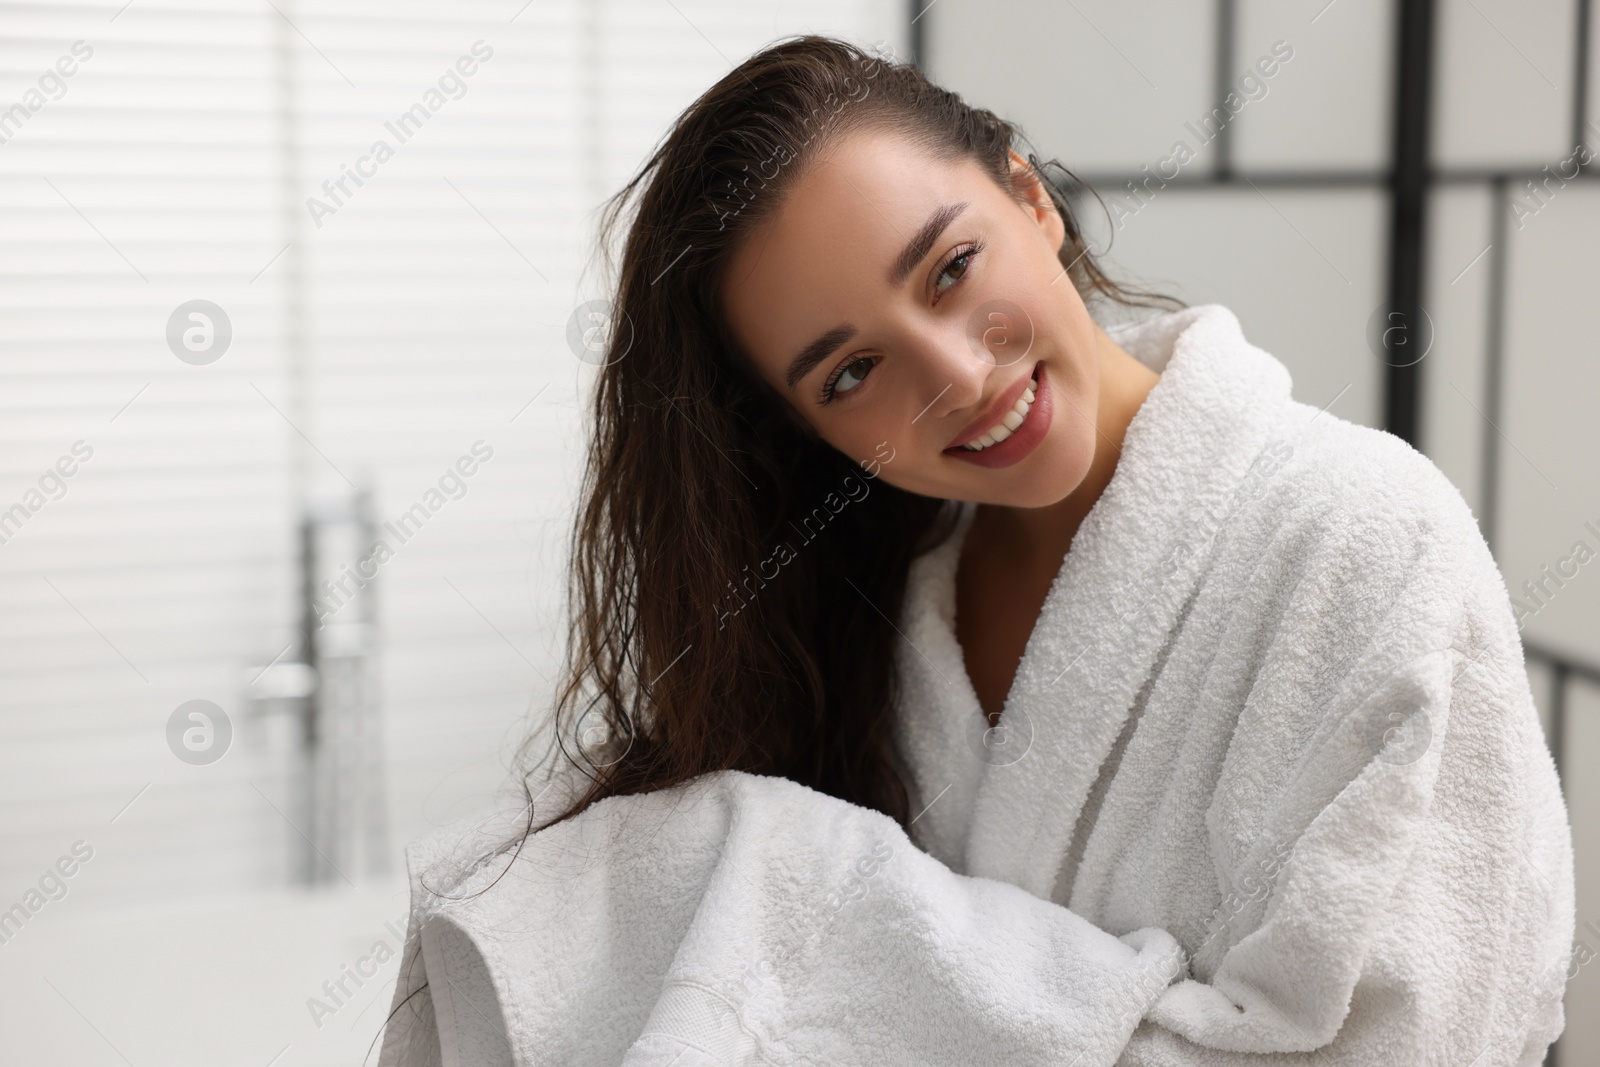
point(145, 179)
point(392, 328)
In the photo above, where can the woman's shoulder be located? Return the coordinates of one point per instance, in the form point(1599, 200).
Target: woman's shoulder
point(481, 861)
point(444, 863)
point(1338, 478)
point(1353, 523)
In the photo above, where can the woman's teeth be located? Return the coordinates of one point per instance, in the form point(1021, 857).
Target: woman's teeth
point(1006, 426)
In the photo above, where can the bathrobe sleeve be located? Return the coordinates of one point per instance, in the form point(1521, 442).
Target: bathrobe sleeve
point(1392, 846)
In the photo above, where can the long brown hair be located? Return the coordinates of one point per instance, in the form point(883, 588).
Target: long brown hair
point(733, 577)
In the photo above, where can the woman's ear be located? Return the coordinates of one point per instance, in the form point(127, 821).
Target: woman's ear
point(1037, 201)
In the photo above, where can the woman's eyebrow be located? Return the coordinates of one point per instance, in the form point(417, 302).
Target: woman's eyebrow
point(903, 265)
point(918, 246)
point(816, 352)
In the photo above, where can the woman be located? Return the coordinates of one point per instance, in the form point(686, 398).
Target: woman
point(876, 506)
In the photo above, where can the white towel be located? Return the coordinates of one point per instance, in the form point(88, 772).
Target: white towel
point(1269, 788)
point(743, 919)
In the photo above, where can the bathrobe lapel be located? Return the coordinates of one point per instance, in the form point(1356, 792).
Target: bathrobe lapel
point(1132, 565)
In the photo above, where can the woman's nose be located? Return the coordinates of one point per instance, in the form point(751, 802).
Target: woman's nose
point(959, 362)
point(953, 381)
point(1000, 332)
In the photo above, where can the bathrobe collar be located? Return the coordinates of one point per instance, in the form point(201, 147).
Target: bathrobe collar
point(1133, 563)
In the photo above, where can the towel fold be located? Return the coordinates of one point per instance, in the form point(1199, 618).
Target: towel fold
point(743, 919)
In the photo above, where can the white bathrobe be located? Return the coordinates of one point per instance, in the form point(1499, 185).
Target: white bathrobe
point(1269, 788)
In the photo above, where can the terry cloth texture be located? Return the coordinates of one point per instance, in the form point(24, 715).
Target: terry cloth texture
point(1268, 788)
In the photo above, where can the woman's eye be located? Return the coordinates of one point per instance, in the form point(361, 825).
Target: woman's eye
point(848, 377)
point(961, 262)
point(959, 265)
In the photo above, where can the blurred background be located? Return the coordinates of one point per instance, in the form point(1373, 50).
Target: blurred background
point(240, 343)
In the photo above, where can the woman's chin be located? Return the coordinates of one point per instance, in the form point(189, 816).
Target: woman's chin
point(1048, 476)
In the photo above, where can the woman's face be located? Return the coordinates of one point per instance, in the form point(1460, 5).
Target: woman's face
point(905, 305)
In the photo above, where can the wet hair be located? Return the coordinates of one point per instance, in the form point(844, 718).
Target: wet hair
point(732, 576)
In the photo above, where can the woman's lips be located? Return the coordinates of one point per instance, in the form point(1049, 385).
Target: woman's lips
point(1000, 409)
point(1024, 439)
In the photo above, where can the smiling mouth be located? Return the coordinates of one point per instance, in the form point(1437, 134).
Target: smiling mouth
point(1009, 422)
